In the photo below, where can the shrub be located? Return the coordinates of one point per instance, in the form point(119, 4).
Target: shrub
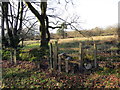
point(33, 59)
point(38, 53)
point(24, 56)
point(5, 54)
point(34, 54)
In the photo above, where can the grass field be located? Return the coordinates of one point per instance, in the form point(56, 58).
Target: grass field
point(71, 45)
point(75, 39)
point(36, 43)
point(95, 38)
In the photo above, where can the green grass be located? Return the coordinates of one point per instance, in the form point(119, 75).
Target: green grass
point(108, 71)
point(14, 78)
point(30, 46)
point(73, 47)
point(23, 78)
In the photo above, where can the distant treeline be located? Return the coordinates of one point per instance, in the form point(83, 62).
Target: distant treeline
point(93, 32)
point(72, 34)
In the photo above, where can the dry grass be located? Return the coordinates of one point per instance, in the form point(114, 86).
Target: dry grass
point(112, 37)
point(69, 49)
point(30, 42)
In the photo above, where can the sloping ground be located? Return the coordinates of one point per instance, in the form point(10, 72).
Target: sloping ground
point(23, 75)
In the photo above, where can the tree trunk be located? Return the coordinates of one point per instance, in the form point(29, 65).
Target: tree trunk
point(4, 42)
point(2, 22)
point(11, 56)
point(14, 56)
point(43, 19)
point(43, 36)
point(63, 33)
point(44, 25)
point(22, 42)
point(47, 31)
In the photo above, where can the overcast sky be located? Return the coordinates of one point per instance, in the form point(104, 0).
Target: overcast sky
point(93, 13)
point(100, 13)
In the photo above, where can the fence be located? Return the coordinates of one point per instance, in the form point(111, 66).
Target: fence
point(82, 55)
point(58, 61)
point(70, 55)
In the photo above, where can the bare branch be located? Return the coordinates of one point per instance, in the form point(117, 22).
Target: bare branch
point(17, 18)
point(54, 27)
point(29, 28)
point(21, 18)
point(11, 15)
point(68, 23)
point(34, 11)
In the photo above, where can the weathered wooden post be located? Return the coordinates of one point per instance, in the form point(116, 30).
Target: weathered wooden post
point(80, 56)
point(111, 52)
point(95, 55)
point(66, 65)
point(59, 63)
point(105, 50)
point(73, 71)
point(51, 56)
point(55, 55)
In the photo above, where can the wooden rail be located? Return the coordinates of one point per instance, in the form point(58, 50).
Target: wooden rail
point(56, 59)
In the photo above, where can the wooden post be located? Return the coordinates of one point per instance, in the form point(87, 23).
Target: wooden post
point(111, 52)
point(66, 66)
point(73, 71)
point(105, 50)
point(59, 64)
point(38, 64)
point(55, 54)
point(51, 56)
point(80, 56)
point(95, 55)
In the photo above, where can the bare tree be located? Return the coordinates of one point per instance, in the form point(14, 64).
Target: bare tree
point(44, 20)
point(13, 26)
point(14, 15)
